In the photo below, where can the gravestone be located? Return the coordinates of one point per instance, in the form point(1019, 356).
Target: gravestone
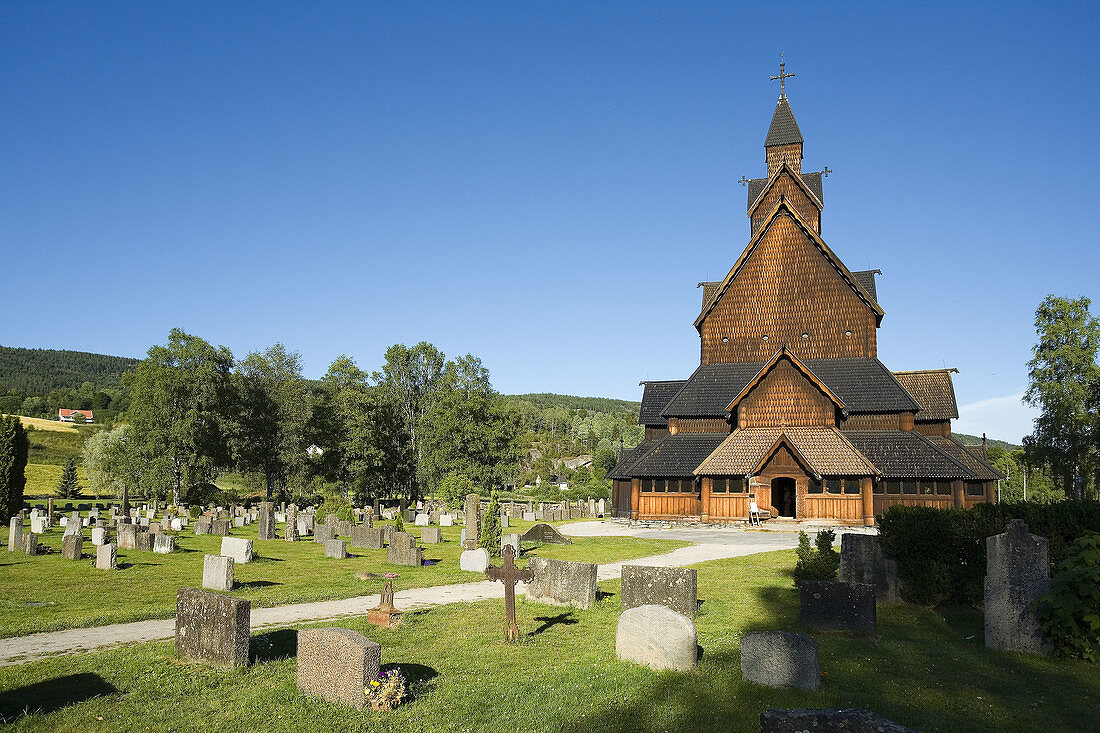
point(330, 520)
point(303, 527)
point(154, 528)
point(780, 659)
point(545, 534)
point(510, 539)
point(72, 526)
point(127, 536)
point(39, 525)
point(237, 548)
point(828, 606)
point(212, 627)
point(505, 521)
point(384, 614)
point(528, 516)
point(337, 549)
point(343, 527)
point(827, 720)
point(72, 546)
point(164, 544)
point(509, 574)
point(446, 520)
point(862, 561)
point(474, 561)
point(15, 533)
point(219, 527)
point(473, 522)
point(99, 536)
point(106, 557)
point(1017, 571)
point(562, 583)
point(367, 537)
point(403, 550)
point(431, 536)
point(291, 533)
point(202, 526)
point(675, 588)
point(217, 572)
point(387, 533)
point(422, 520)
point(337, 664)
point(144, 542)
point(322, 533)
point(238, 521)
point(657, 637)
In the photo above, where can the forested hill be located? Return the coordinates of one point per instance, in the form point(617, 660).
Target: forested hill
point(975, 440)
point(39, 371)
point(570, 402)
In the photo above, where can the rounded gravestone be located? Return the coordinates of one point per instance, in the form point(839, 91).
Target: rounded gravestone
point(475, 561)
point(780, 659)
point(657, 637)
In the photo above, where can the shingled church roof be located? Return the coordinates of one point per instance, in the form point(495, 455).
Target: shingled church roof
point(677, 455)
point(825, 448)
point(783, 129)
point(933, 391)
point(654, 399)
point(898, 454)
point(622, 471)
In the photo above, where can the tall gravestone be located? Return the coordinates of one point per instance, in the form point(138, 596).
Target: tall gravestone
point(473, 522)
point(72, 547)
point(15, 533)
point(862, 561)
point(291, 534)
point(1017, 572)
point(266, 525)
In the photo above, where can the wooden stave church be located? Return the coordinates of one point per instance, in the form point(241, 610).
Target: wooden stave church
point(790, 404)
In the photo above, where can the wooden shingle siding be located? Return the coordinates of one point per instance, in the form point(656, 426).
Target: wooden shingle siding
point(785, 397)
point(786, 187)
point(871, 422)
point(703, 425)
point(785, 288)
point(775, 156)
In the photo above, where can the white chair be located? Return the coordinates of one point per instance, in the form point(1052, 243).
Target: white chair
point(754, 513)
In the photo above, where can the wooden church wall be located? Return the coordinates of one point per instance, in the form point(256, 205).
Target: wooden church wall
point(787, 288)
point(785, 397)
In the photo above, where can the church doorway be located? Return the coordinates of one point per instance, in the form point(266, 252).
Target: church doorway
point(783, 494)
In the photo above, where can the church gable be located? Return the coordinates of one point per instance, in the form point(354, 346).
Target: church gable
point(787, 289)
point(785, 185)
point(784, 396)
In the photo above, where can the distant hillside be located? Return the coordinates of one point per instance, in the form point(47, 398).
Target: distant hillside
point(38, 371)
point(973, 440)
point(570, 402)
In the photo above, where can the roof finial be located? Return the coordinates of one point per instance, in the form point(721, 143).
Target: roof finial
point(783, 76)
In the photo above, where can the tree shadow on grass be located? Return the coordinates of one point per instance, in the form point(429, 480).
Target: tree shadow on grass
point(50, 696)
point(255, 584)
point(273, 645)
point(548, 622)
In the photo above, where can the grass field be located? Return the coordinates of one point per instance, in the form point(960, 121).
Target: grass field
point(47, 593)
point(923, 668)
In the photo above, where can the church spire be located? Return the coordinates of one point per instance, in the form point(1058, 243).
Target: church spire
point(784, 140)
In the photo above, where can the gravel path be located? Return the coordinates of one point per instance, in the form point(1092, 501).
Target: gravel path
point(711, 544)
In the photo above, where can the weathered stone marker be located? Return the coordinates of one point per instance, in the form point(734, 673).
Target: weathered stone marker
point(384, 614)
point(30, 543)
point(291, 534)
point(675, 588)
point(322, 533)
point(164, 544)
point(474, 561)
point(15, 533)
point(127, 536)
point(220, 527)
point(217, 572)
point(337, 664)
point(336, 549)
point(780, 659)
point(1017, 572)
point(72, 547)
point(838, 606)
point(265, 528)
point(657, 637)
point(862, 561)
point(431, 536)
point(509, 574)
point(212, 627)
point(561, 583)
point(367, 537)
point(545, 534)
point(473, 522)
point(237, 548)
point(403, 550)
point(106, 557)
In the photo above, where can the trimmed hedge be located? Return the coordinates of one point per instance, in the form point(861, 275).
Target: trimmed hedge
point(941, 552)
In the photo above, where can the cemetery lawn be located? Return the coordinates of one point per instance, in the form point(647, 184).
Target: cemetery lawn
point(48, 593)
point(924, 668)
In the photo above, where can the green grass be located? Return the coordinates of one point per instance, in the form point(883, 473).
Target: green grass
point(71, 594)
point(54, 447)
point(924, 668)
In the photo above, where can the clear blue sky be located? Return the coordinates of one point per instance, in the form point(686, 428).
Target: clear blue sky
point(541, 185)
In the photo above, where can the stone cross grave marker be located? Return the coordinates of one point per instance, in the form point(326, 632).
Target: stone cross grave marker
point(509, 574)
point(384, 614)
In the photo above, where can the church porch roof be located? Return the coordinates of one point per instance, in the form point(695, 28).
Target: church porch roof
point(825, 449)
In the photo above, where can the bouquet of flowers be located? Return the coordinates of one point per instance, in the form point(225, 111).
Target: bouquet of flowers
point(388, 691)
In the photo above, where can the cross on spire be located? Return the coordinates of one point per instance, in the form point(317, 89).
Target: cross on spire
point(783, 76)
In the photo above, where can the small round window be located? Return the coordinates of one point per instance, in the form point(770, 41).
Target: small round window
point(848, 332)
point(764, 337)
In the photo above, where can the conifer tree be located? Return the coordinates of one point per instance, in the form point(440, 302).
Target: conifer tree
point(14, 446)
point(68, 487)
point(490, 528)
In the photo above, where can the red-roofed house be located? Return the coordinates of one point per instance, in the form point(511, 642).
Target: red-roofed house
point(67, 415)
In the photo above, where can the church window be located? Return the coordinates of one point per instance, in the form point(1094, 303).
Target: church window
point(943, 488)
point(878, 487)
point(927, 487)
point(658, 484)
point(851, 486)
point(848, 332)
point(725, 339)
point(737, 485)
point(975, 488)
point(832, 485)
point(893, 487)
point(647, 484)
point(815, 487)
point(718, 485)
point(908, 487)
point(805, 335)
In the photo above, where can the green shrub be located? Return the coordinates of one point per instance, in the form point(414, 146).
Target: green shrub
point(195, 511)
point(1069, 613)
point(336, 502)
point(398, 523)
point(941, 552)
point(821, 563)
point(454, 487)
